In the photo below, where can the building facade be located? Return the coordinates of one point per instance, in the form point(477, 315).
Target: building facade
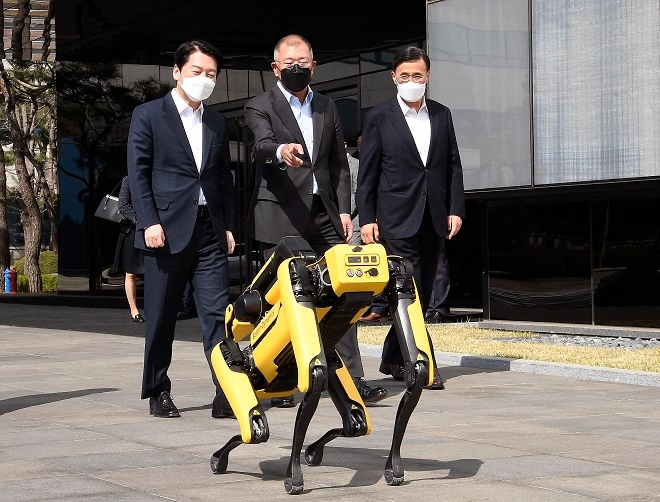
point(556, 106)
point(557, 111)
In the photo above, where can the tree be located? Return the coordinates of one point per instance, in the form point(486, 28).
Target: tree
point(93, 108)
point(30, 212)
point(28, 106)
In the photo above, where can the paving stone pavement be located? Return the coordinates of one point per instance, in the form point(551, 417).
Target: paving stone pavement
point(72, 428)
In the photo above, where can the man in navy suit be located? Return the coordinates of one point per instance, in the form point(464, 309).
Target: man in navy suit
point(410, 184)
point(180, 177)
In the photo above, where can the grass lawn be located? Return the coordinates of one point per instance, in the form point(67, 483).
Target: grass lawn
point(467, 339)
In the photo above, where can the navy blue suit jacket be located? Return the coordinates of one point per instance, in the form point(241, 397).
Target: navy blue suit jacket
point(164, 179)
point(394, 185)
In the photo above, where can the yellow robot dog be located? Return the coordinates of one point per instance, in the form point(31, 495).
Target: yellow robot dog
point(294, 313)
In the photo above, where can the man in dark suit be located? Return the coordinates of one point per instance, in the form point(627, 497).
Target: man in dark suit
point(302, 184)
point(180, 177)
point(410, 187)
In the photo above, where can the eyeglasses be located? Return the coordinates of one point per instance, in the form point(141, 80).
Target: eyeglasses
point(415, 77)
point(288, 63)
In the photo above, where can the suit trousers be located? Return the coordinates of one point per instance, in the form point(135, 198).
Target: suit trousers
point(205, 265)
point(441, 284)
point(422, 251)
point(321, 236)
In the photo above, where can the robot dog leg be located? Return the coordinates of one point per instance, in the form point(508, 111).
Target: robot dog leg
point(413, 339)
point(347, 400)
point(228, 365)
point(299, 308)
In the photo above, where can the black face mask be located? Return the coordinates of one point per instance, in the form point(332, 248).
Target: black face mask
point(296, 78)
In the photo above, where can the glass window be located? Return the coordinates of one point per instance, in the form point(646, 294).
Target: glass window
point(596, 90)
point(479, 52)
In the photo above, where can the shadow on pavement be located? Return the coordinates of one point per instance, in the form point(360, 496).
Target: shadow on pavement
point(22, 402)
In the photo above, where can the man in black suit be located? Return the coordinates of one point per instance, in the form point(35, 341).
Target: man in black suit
point(180, 177)
point(410, 187)
point(302, 184)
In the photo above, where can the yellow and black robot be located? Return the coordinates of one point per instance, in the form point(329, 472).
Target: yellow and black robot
point(290, 319)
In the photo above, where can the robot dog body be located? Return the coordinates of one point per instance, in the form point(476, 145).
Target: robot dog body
point(293, 314)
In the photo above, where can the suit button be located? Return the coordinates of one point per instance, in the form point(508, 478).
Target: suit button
point(195, 201)
point(426, 170)
point(310, 192)
point(423, 192)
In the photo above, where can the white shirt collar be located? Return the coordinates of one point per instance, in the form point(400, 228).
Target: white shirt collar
point(288, 95)
point(181, 105)
point(405, 108)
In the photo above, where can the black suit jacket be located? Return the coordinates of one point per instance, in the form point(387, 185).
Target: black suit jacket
point(164, 179)
point(282, 199)
point(394, 185)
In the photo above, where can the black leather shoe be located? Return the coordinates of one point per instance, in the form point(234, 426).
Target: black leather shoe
point(221, 408)
point(137, 318)
point(436, 318)
point(438, 383)
point(367, 393)
point(283, 402)
point(162, 406)
point(395, 370)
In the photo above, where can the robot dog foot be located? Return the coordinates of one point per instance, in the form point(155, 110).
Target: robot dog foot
point(220, 458)
point(259, 434)
point(293, 483)
point(394, 467)
point(348, 402)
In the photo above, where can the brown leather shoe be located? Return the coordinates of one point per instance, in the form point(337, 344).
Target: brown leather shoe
point(372, 317)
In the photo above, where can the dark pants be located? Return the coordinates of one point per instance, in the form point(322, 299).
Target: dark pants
point(321, 236)
point(187, 300)
point(441, 283)
point(205, 265)
point(422, 251)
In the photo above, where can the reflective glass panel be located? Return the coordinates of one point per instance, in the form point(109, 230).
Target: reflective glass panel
point(596, 90)
point(480, 70)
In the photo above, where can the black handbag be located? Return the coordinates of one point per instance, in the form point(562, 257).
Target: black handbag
point(108, 208)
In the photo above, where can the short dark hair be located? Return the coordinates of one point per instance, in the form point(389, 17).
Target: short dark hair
point(292, 39)
point(410, 54)
point(184, 51)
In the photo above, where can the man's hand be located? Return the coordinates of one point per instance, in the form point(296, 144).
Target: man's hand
point(454, 224)
point(370, 233)
point(348, 226)
point(154, 237)
point(231, 243)
point(290, 152)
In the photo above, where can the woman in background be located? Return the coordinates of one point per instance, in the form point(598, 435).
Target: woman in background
point(128, 258)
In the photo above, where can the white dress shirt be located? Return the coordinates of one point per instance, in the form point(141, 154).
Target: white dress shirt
point(419, 124)
point(192, 124)
point(303, 114)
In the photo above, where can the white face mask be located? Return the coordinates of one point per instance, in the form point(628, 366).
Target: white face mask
point(197, 88)
point(411, 91)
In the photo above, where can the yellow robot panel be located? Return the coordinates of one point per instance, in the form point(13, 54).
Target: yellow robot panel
point(238, 390)
point(267, 348)
point(238, 329)
point(420, 332)
point(302, 325)
point(357, 268)
point(353, 394)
